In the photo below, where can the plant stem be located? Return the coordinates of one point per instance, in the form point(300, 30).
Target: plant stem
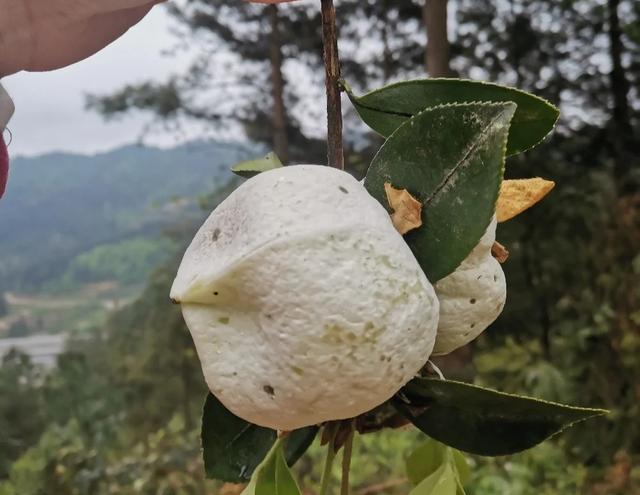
point(328, 464)
point(346, 461)
point(335, 153)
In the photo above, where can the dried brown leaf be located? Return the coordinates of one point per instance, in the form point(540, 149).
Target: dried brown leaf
point(499, 252)
point(407, 210)
point(518, 195)
point(329, 432)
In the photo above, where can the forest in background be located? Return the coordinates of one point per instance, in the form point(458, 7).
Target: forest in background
point(120, 412)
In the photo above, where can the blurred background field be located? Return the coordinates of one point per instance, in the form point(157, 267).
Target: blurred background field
point(90, 239)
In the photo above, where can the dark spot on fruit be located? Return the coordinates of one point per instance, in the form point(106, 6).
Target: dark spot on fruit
point(215, 293)
point(479, 277)
point(472, 301)
point(343, 189)
point(215, 235)
point(495, 278)
point(388, 359)
point(235, 373)
point(473, 325)
point(383, 357)
point(269, 389)
point(269, 316)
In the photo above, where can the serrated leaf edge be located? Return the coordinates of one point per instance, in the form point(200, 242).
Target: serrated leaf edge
point(355, 98)
point(484, 134)
point(405, 411)
point(357, 101)
point(503, 104)
point(595, 412)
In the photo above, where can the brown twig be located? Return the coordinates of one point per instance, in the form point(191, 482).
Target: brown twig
point(330, 430)
point(381, 487)
point(335, 153)
point(346, 459)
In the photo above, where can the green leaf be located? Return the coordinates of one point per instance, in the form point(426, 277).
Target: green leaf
point(385, 109)
point(285, 483)
point(298, 442)
point(233, 447)
point(462, 466)
point(483, 421)
point(451, 159)
point(430, 456)
point(441, 482)
point(425, 460)
point(250, 168)
point(263, 480)
point(272, 476)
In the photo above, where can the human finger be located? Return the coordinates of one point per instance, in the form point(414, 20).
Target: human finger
point(82, 38)
point(83, 9)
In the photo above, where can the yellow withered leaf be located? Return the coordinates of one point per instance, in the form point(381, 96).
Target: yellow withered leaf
point(407, 210)
point(518, 195)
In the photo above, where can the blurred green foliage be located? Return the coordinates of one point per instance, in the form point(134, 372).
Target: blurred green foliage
point(116, 199)
point(126, 262)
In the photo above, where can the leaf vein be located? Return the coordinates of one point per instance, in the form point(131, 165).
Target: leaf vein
point(240, 433)
point(484, 135)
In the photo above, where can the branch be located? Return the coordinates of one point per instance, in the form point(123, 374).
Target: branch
point(346, 459)
point(382, 487)
point(335, 153)
point(329, 434)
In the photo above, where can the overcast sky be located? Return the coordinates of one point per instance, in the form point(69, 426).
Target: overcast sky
point(50, 113)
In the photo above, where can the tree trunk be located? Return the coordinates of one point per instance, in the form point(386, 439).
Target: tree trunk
point(434, 14)
point(621, 136)
point(279, 117)
point(617, 77)
point(530, 267)
point(386, 50)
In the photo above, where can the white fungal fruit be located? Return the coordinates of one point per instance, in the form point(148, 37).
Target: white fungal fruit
point(304, 303)
point(472, 297)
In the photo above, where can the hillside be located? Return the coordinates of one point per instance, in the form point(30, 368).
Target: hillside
point(79, 235)
point(73, 218)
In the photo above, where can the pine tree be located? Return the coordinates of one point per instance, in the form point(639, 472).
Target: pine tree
point(239, 77)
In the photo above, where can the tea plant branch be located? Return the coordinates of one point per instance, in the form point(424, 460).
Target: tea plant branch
point(346, 460)
point(328, 462)
point(335, 153)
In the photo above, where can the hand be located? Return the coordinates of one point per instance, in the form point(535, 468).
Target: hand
point(37, 35)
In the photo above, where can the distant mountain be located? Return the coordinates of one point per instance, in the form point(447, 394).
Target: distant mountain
point(60, 208)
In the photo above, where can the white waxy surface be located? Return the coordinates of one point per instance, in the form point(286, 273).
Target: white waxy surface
point(472, 297)
point(304, 302)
